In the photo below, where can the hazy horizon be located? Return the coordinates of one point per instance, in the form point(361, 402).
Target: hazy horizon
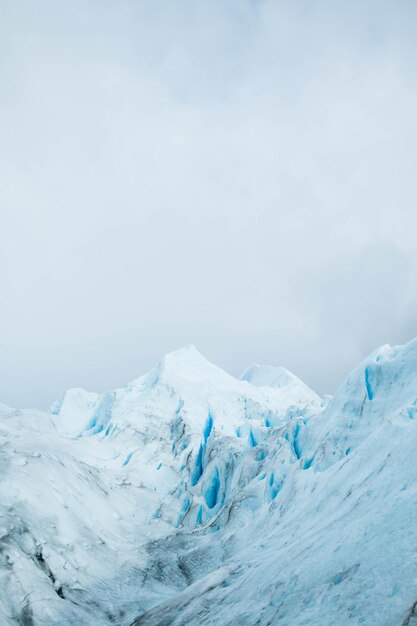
point(237, 175)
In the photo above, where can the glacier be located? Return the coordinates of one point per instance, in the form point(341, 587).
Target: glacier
point(190, 497)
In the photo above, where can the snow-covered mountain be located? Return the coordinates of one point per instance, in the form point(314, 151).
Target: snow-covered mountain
point(192, 498)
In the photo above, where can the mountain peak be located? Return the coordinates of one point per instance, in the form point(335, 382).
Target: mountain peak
point(189, 363)
point(277, 378)
point(187, 355)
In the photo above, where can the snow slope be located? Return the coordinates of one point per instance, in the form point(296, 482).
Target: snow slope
point(191, 497)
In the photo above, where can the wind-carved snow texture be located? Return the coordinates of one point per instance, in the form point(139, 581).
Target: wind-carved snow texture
point(192, 498)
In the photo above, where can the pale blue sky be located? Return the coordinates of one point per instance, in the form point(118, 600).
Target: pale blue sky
point(238, 175)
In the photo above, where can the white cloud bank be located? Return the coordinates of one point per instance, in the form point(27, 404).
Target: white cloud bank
point(239, 175)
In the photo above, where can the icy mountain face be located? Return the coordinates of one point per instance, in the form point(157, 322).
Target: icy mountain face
point(280, 378)
point(191, 497)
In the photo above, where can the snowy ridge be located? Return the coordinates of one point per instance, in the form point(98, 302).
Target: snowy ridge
point(282, 379)
point(191, 497)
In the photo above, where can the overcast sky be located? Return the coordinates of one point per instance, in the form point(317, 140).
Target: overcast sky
point(236, 174)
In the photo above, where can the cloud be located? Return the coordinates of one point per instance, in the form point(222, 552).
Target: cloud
point(237, 175)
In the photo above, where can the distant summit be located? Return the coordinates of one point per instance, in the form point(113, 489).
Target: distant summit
point(278, 378)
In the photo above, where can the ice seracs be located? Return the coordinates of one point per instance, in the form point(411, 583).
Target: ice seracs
point(189, 497)
point(74, 409)
point(381, 388)
point(282, 379)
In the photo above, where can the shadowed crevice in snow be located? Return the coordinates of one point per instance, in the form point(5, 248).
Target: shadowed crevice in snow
point(208, 427)
point(26, 616)
point(198, 469)
point(212, 489)
point(368, 383)
point(411, 617)
point(43, 565)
